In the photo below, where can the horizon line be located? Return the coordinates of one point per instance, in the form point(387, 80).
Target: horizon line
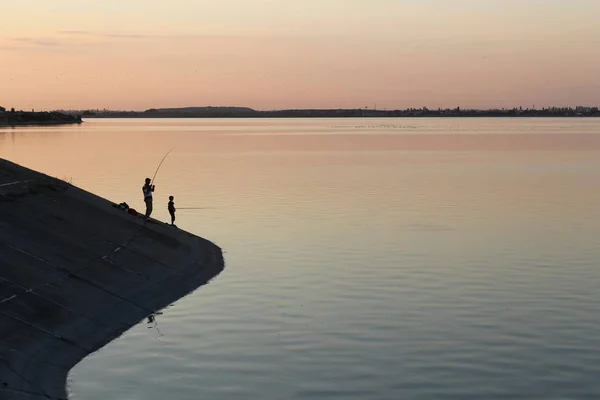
point(422, 108)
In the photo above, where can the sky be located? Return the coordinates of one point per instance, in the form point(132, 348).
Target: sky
point(279, 54)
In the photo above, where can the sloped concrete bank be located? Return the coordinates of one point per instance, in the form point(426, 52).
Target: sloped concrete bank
point(75, 273)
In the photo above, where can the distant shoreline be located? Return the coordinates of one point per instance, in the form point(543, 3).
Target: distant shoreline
point(244, 112)
point(23, 118)
point(345, 117)
point(33, 123)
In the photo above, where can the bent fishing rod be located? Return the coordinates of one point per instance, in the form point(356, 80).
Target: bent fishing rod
point(161, 161)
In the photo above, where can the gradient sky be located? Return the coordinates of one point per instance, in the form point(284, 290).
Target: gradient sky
point(271, 54)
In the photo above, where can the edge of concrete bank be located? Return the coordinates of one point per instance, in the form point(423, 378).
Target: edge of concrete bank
point(76, 273)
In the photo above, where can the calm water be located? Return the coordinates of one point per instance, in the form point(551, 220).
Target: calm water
point(365, 259)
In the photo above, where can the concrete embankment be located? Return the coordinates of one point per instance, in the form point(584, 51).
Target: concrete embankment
point(75, 273)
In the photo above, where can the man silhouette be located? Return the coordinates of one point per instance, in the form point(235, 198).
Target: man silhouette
point(148, 189)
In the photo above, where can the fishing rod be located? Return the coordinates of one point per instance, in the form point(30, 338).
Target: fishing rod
point(161, 161)
point(192, 208)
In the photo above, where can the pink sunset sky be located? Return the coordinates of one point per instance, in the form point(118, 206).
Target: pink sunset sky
point(273, 54)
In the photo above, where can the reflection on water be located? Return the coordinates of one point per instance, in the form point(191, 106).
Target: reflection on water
point(153, 324)
point(366, 259)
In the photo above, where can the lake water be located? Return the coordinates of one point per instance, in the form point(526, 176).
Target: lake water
point(365, 258)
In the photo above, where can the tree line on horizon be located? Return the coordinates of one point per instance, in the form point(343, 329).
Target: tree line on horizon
point(245, 112)
point(19, 117)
